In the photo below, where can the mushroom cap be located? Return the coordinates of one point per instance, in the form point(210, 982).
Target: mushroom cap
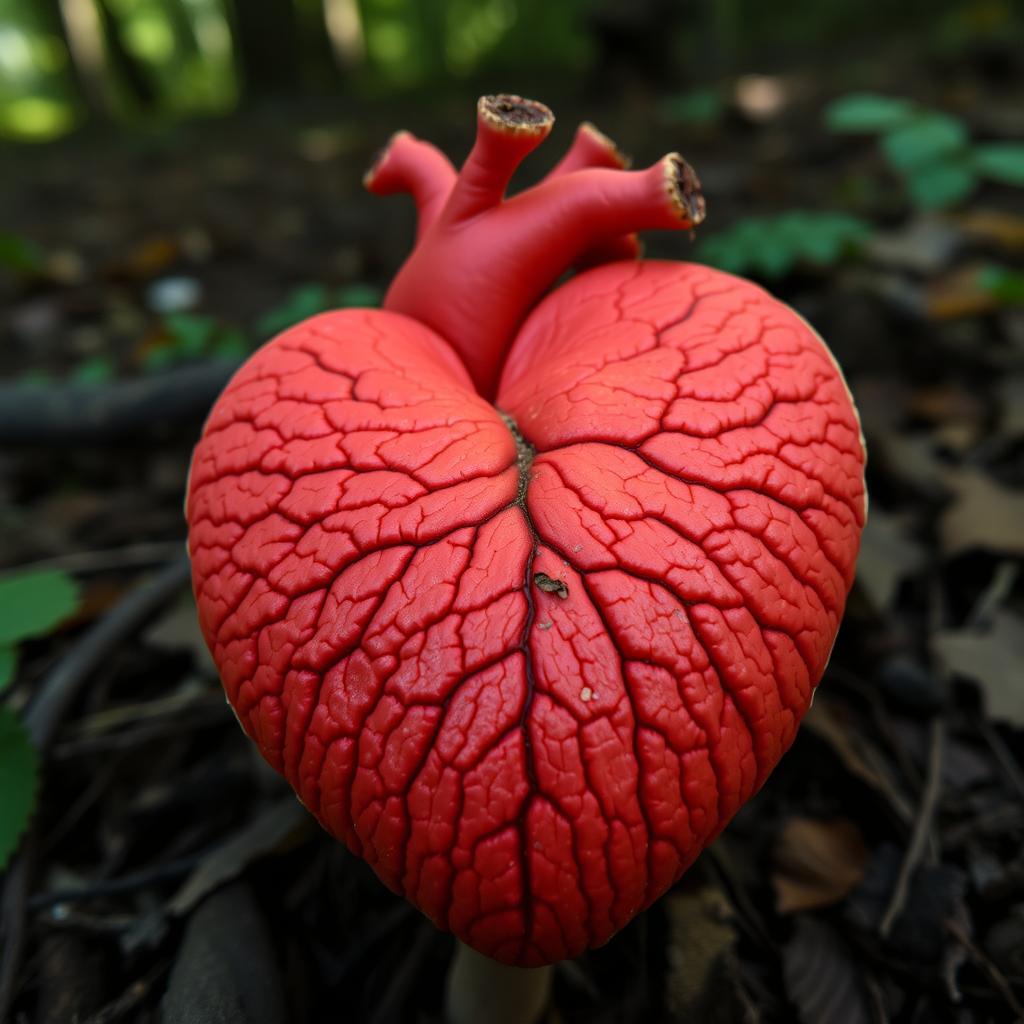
point(528, 658)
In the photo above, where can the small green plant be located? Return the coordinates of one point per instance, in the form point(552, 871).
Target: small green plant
point(19, 782)
point(93, 371)
point(20, 254)
point(309, 299)
point(31, 605)
point(696, 107)
point(1006, 286)
point(930, 150)
point(192, 336)
point(771, 247)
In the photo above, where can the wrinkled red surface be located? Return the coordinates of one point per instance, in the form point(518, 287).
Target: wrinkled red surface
point(529, 769)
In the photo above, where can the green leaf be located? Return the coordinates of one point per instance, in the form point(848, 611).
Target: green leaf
point(191, 334)
point(737, 249)
point(719, 251)
point(231, 345)
point(1004, 284)
point(773, 260)
point(867, 112)
point(821, 238)
point(366, 295)
point(1001, 161)
point(699, 106)
point(20, 254)
point(35, 379)
point(771, 247)
point(19, 782)
point(8, 666)
point(97, 370)
point(32, 603)
point(925, 139)
point(941, 185)
point(305, 301)
point(159, 357)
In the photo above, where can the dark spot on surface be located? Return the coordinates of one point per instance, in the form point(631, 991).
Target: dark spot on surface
point(551, 586)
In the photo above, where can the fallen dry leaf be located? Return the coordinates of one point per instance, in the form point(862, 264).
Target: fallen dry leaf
point(822, 978)
point(274, 829)
point(992, 656)
point(888, 556)
point(178, 630)
point(1011, 400)
point(959, 293)
point(701, 942)
point(816, 863)
point(911, 459)
point(984, 515)
point(925, 246)
point(948, 403)
point(998, 227)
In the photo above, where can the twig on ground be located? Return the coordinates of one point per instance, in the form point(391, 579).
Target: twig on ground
point(84, 563)
point(77, 414)
point(922, 827)
point(1003, 755)
point(996, 976)
point(168, 871)
point(995, 594)
point(130, 998)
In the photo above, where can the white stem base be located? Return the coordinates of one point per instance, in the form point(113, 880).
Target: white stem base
point(482, 991)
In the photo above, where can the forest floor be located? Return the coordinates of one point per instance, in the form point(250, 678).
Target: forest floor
point(878, 876)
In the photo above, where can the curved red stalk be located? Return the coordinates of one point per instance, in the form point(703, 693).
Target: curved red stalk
point(481, 261)
point(408, 164)
point(592, 148)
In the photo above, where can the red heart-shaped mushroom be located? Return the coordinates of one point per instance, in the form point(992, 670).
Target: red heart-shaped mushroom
point(528, 657)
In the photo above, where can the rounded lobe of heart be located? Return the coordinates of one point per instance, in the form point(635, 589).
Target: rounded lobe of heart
point(529, 675)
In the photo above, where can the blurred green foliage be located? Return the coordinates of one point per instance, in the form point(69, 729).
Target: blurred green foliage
point(32, 604)
point(309, 299)
point(64, 60)
point(1004, 284)
point(696, 107)
point(187, 337)
point(931, 151)
point(19, 254)
point(132, 61)
point(771, 247)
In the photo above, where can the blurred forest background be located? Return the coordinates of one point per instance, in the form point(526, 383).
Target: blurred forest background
point(181, 179)
point(66, 63)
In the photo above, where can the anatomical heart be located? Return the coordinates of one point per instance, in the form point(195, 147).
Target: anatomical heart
point(525, 586)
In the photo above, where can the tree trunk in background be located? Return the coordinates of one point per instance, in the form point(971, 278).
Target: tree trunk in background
point(70, 23)
point(266, 45)
point(103, 69)
point(320, 69)
point(126, 70)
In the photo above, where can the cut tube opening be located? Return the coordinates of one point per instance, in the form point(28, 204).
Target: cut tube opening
point(684, 189)
point(516, 115)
